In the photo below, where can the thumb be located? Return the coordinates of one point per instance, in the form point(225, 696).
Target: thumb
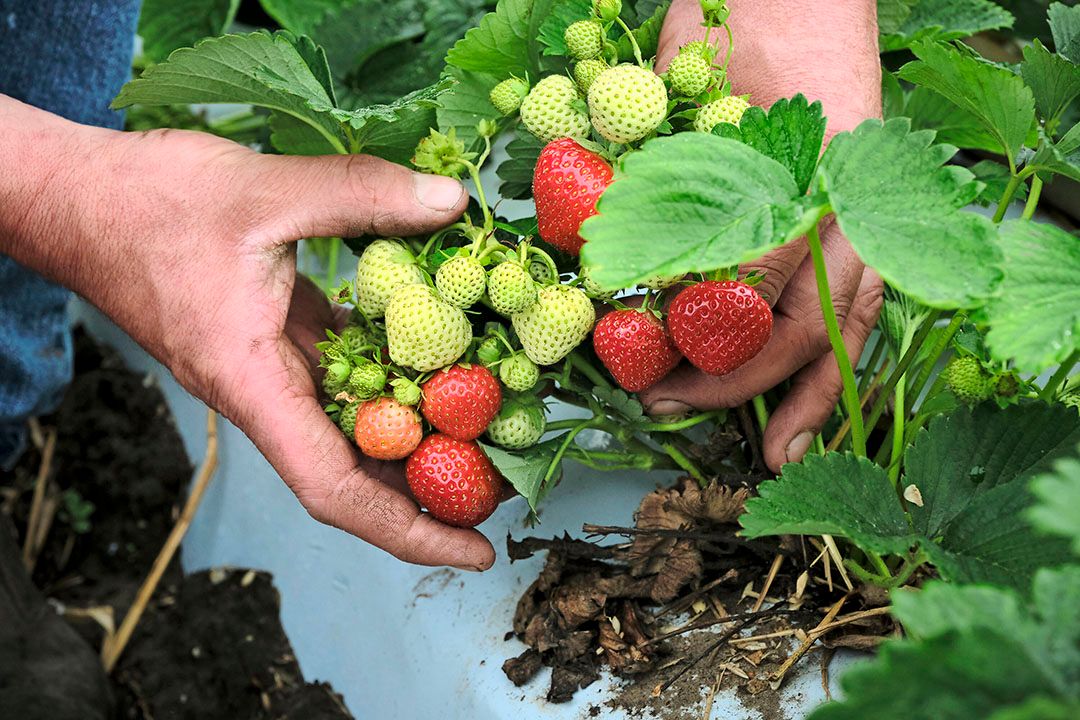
point(353, 195)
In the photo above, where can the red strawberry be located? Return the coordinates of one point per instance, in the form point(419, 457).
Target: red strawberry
point(719, 326)
point(461, 400)
point(454, 480)
point(635, 348)
point(567, 182)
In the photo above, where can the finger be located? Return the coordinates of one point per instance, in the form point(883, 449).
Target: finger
point(309, 313)
point(816, 388)
point(349, 196)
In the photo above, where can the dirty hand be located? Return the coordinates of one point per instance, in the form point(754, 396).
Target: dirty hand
point(827, 51)
point(187, 242)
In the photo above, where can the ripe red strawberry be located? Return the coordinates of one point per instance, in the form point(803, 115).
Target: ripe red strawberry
point(635, 348)
point(454, 480)
point(461, 400)
point(567, 182)
point(719, 326)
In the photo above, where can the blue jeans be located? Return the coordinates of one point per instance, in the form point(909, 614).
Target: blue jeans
point(69, 57)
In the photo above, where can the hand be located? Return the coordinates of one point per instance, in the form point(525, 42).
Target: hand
point(828, 52)
point(187, 242)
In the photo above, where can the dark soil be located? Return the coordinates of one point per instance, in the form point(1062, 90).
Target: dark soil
point(210, 644)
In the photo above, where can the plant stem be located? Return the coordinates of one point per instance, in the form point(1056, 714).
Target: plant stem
point(1050, 389)
point(633, 42)
point(832, 326)
point(819, 444)
point(761, 412)
point(871, 364)
point(1033, 197)
point(474, 173)
point(684, 462)
point(899, 415)
point(332, 262)
point(1006, 199)
point(584, 367)
point(730, 46)
point(936, 352)
point(680, 424)
point(568, 424)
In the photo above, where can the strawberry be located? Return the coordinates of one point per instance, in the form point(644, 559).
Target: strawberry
point(489, 351)
point(424, 332)
point(367, 380)
point(336, 378)
point(347, 419)
point(701, 48)
point(461, 281)
point(728, 109)
point(689, 74)
point(520, 424)
point(586, 71)
point(635, 348)
point(567, 182)
point(454, 480)
point(607, 10)
point(385, 266)
point(507, 95)
point(965, 376)
point(541, 272)
point(550, 110)
point(387, 430)
point(719, 326)
point(556, 324)
point(660, 282)
point(461, 400)
point(584, 39)
point(519, 373)
point(627, 102)
point(406, 391)
point(511, 288)
point(594, 289)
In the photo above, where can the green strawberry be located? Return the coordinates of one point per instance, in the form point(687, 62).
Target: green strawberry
point(354, 338)
point(489, 351)
point(507, 95)
point(510, 288)
point(336, 378)
point(728, 109)
point(969, 382)
point(461, 281)
point(550, 110)
point(424, 332)
point(584, 39)
point(594, 289)
point(607, 10)
point(519, 373)
point(347, 419)
point(385, 266)
point(660, 282)
point(689, 74)
point(555, 324)
point(406, 391)
point(367, 380)
point(519, 424)
point(586, 71)
point(627, 102)
point(1007, 385)
point(700, 48)
point(541, 272)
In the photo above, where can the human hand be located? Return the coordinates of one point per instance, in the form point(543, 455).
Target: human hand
point(828, 52)
point(187, 242)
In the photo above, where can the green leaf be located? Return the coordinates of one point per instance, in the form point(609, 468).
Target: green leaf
point(903, 213)
point(354, 32)
point(691, 202)
point(1053, 80)
point(954, 126)
point(563, 15)
point(1035, 317)
point(290, 136)
point(1057, 493)
point(791, 133)
point(505, 40)
point(941, 607)
point(995, 96)
point(257, 69)
point(937, 20)
point(301, 16)
point(396, 141)
point(995, 178)
point(1065, 26)
point(466, 103)
point(647, 36)
point(165, 25)
point(516, 171)
point(525, 469)
point(1040, 708)
point(360, 118)
point(1060, 158)
point(836, 494)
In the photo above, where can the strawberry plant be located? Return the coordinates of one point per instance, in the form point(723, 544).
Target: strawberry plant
point(651, 191)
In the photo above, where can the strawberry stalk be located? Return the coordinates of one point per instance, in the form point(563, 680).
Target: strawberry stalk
point(1033, 197)
point(1050, 389)
point(633, 41)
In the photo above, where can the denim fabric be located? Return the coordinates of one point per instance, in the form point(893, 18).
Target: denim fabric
point(69, 57)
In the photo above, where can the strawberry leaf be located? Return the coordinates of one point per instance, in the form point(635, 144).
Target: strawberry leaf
point(907, 22)
point(1053, 80)
point(1058, 496)
point(954, 125)
point(525, 469)
point(165, 25)
point(466, 103)
point(790, 133)
point(1060, 158)
point(301, 16)
point(647, 35)
point(1065, 28)
point(691, 202)
point(505, 42)
point(563, 15)
point(903, 213)
point(1035, 317)
point(516, 171)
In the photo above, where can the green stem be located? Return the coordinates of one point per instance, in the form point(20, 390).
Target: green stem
point(633, 41)
point(1050, 389)
point(557, 458)
point(879, 564)
point(899, 415)
point(911, 564)
point(474, 173)
point(761, 412)
point(871, 364)
point(584, 367)
point(1033, 198)
point(832, 326)
point(730, 46)
point(819, 444)
point(680, 424)
point(940, 346)
point(1006, 199)
point(546, 259)
point(684, 462)
point(332, 262)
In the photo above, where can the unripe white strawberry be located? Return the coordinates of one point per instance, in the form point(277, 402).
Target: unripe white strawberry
point(593, 289)
point(511, 288)
point(699, 47)
point(507, 95)
point(555, 324)
point(424, 332)
point(519, 424)
point(461, 281)
point(660, 282)
point(519, 373)
point(549, 111)
point(541, 272)
point(627, 102)
point(586, 71)
point(384, 266)
point(728, 109)
point(584, 39)
point(689, 74)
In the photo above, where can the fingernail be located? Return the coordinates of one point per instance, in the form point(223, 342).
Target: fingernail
point(437, 193)
point(470, 568)
point(798, 446)
point(661, 408)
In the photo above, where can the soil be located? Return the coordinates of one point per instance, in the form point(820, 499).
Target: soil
point(210, 644)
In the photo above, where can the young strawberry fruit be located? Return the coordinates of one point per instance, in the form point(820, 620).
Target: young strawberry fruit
point(594, 289)
point(586, 71)
point(719, 326)
point(689, 74)
point(635, 348)
point(519, 373)
point(549, 110)
point(406, 391)
point(489, 351)
point(520, 424)
point(507, 95)
point(511, 288)
point(584, 39)
point(461, 400)
point(461, 281)
point(660, 282)
point(367, 380)
point(700, 48)
point(336, 378)
point(728, 109)
point(347, 419)
point(567, 182)
point(965, 376)
point(387, 430)
point(385, 266)
point(555, 324)
point(454, 480)
point(423, 331)
point(627, 102)
point(542, 273)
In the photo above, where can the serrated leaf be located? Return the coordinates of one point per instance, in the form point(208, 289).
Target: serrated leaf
point(563, 15)
point(1057, 507)
point(647, 36)
point(516, 171)
point(940, 607)
point(354, 32)
point(1053, 80)
point(525, 469)
point(466, 103)
point(165, 25)
point(290, 136)
point(691, 202)
point(1065, 27)
point(1060, 158)
point(995, 178)
point(505, 41)
point(954, 126)
point(995, 96)
point(301, 16)
point(1035, 317)
point(790, 133)
point(396, 141)
point(892, 14)
point(903, 213)
point(938, 20)
point(360, 118)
